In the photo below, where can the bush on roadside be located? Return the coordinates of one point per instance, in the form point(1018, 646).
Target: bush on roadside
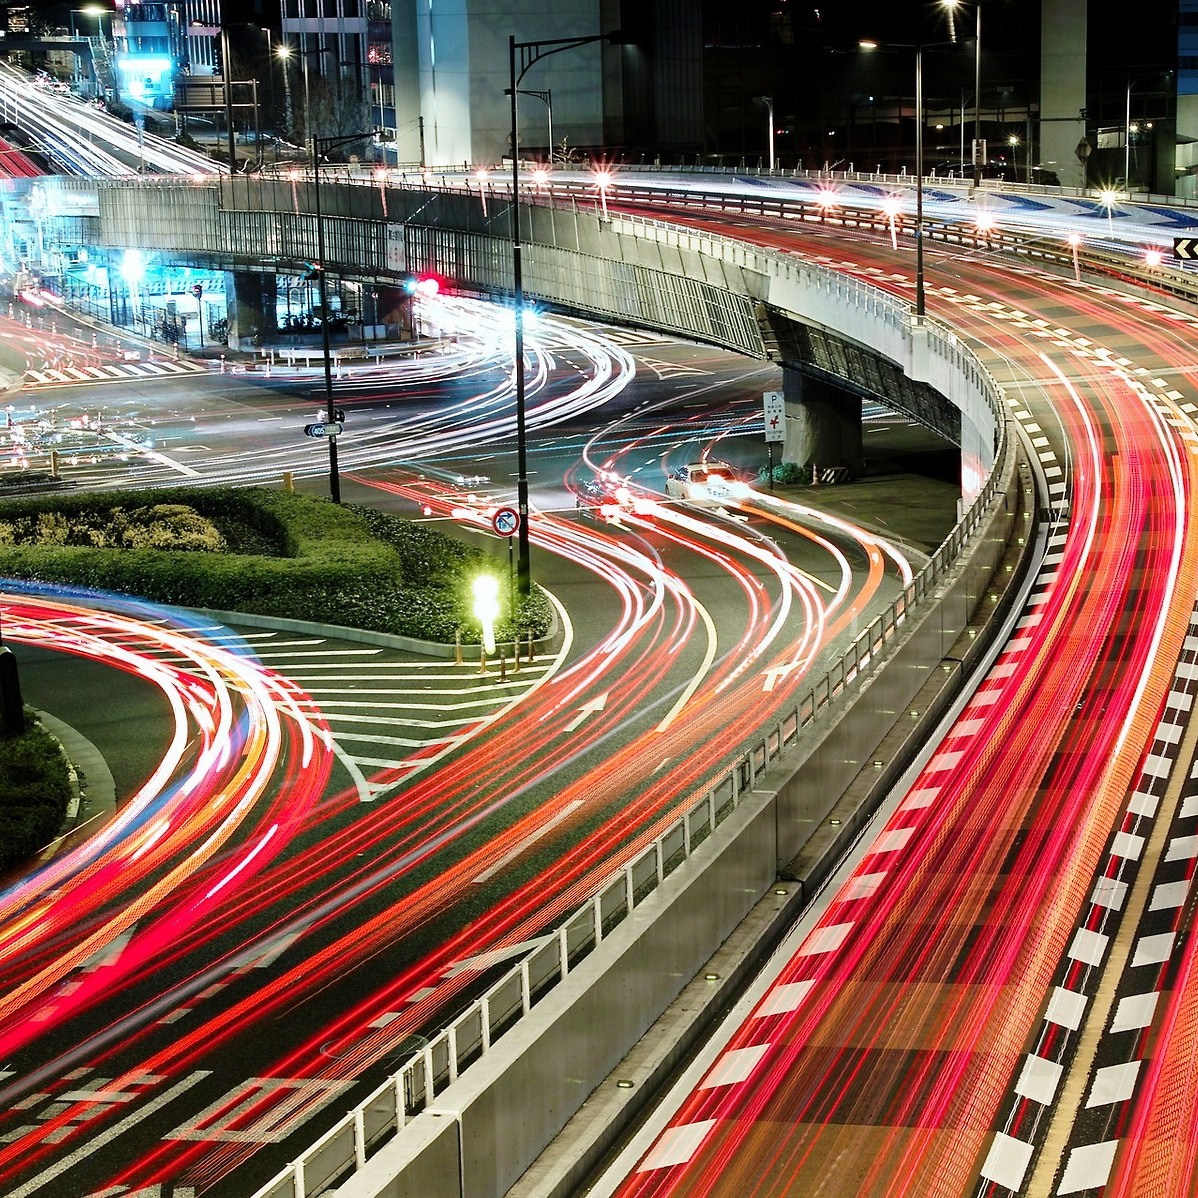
point(324, 563)
point(787, 473)
point(35, 789)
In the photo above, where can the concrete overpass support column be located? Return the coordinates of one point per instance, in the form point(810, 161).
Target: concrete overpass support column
point(251, 300)
point(823, 424)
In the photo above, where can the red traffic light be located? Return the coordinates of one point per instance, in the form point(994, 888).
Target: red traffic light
point(426, 285)
point(197, 290)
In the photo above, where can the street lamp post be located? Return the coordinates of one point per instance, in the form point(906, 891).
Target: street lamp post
point(1127, 143)
point(768, 101)
point(90, 10)
point(869, 44)
point(320, 146)
point(524, 55)
point(546, 97)
point(274, 119)
point(227, 71)
point(951, 5)
point(920, 303)
point(1131, 82)
point(1013, 142)
point(285, 52)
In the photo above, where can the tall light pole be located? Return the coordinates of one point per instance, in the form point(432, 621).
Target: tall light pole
point(951, 7)
point(227, 71)
point(768, 101)
point(270, 66)
point(1131, 82)
point(321, 146)
point(521, 57)
point(869, 44)
point(283, 53)
point(546, 97)
point(920, 305)
point(1127, 143)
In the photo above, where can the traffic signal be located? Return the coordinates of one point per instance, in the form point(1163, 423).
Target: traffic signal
point(420, 284)
point(197, 289)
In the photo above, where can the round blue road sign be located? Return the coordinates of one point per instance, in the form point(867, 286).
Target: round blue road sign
point(505, 521)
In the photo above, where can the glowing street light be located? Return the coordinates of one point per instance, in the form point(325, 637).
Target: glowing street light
point(486, 608)
point(1013, 142)
point(1108, 197)
point(1074, 241)
point(603, 181)
point(890, 207)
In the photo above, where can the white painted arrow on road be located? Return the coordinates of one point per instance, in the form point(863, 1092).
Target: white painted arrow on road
point(587, 709)
point(773, 675)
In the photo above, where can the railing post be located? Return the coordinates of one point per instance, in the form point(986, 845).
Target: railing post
point(430, 1082)
point(360, 1137)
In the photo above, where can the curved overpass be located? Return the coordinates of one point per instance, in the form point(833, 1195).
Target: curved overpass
point(630, 269)
point(759, 281)
point(1085, 496)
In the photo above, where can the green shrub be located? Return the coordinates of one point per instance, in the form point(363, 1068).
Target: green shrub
point(330, 564)
point(35, 789)
point(786, 472)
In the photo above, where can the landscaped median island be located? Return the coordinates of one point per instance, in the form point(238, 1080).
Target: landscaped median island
point(271, 553)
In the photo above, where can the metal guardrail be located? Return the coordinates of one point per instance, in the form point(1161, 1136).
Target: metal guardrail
point(347, 1145)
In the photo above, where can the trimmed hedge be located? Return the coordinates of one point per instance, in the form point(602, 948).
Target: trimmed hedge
point(332, 564)
point(35, 788)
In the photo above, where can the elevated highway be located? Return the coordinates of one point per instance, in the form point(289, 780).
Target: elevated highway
point(715, 286)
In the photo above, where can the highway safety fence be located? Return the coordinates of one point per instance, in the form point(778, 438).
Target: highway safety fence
point(441, 1059)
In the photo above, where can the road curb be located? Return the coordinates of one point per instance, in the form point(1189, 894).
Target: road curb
point(366, 636)
point(91, 780)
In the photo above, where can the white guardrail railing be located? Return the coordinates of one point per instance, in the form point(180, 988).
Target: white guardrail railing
point(440, 1060)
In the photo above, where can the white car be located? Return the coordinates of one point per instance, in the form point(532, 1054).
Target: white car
point(705, 482)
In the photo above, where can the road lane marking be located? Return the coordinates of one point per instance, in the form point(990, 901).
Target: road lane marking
point(35, 1184)
point(532, 838)
point(589, 708)
point(152, 455)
